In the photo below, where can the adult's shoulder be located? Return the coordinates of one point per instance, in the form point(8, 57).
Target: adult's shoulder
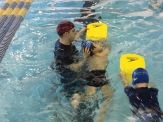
point(59, 46)
point(59, 50)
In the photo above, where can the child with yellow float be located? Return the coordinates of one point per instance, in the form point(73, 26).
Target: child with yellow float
point(97, 63)
point(96, 33)
point(142, 97)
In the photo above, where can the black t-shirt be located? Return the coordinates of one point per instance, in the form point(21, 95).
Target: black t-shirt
point(65, 55)
point(141, 98)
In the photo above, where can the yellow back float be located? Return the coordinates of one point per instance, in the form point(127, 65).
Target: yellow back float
point(130, 62)
point(97, 31)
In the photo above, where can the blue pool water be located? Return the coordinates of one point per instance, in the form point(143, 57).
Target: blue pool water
point(29, 89)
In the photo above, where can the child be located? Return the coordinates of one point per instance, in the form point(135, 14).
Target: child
point(97, 63)
point(143, 99)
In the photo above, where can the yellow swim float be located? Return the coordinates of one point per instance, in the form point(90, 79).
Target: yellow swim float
point(97, 31)
point(130, 62)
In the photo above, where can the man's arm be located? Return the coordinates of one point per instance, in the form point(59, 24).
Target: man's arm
point(77, 66)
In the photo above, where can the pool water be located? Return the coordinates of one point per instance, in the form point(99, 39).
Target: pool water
point(30, 90)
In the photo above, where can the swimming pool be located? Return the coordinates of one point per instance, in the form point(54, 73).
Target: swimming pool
point(29, 89)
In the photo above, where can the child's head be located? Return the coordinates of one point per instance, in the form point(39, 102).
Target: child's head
point(140, 76)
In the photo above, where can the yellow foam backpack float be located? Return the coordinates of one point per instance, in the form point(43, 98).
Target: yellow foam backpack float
point(97, 31)
point(130, 62)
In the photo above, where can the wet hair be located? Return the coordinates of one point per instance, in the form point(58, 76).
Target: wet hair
point(64, 26)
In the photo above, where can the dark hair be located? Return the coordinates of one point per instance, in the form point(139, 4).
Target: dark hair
point(64, 26)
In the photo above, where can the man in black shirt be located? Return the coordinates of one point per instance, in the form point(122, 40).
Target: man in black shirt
point(143, 99)
point(67, 60)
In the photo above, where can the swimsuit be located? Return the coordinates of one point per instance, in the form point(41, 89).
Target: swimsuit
point(96, 78)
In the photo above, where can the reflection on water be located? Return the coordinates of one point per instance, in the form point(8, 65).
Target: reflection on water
point(156, 4)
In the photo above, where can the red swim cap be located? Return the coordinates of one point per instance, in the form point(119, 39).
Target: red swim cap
point(64, 26)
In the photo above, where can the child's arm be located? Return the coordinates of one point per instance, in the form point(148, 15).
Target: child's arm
point(80, 33)
point(124, 80)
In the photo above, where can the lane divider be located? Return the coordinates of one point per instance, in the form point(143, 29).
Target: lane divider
point(6, 12)
point(8, 18)
point(7, 4)
point(10, 22)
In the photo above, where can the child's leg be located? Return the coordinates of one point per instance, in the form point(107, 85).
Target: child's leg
point(90, 91)
point(86, 108)
point(75, 100)
point(107, 94)
point(107, 91)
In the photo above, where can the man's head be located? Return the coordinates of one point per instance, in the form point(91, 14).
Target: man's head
point(66, 29)
point(140, 76)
